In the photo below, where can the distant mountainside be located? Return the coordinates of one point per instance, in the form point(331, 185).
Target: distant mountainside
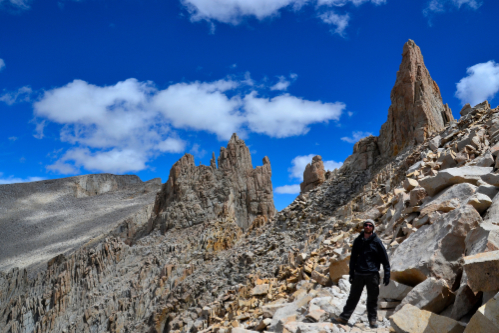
point(207, 252)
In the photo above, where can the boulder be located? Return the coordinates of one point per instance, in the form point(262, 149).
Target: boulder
point(338, 268)
point(448, 177)
point(365, 152)
point(434, 250)
point(299, 327)
point(482, 270)
point(259, 290)
point(480, 202)
point(465, 299)
point(394, 290)
point(431, 295)
point(465, 110)
point(410, 319)
point(484, 238)
point(416, 196)
point(488, 190)
point(409, 184)
point(491, 178)
point(434, 143)
point(445, 201)
point(269, 310)
point(486, 160)
point(486, 319)
point(447, 160)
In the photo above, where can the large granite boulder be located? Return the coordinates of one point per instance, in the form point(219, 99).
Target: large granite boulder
point(486, 319)
point(417, 110)
point(431, 295)
point(434, 250)
point(411, 319)
point(481, 270)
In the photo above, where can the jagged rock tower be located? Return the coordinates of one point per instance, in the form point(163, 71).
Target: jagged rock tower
point(194, 194)
point(417, 110)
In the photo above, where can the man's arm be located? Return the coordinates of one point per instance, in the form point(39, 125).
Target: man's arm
point(385, 262)
point(353, 257)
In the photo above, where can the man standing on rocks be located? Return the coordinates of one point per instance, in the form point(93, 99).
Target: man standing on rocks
point(368, 252)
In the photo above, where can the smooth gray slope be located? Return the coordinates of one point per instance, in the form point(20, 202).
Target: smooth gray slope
point(40, 220)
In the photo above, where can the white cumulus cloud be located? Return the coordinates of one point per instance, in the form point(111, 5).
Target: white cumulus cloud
point(482, 83)
point(288, 189)
point(356, 136)
point(119, 128)
point(235, 11)
point(2, 64)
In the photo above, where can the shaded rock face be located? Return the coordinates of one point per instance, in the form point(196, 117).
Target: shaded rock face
point(195, 194)
point(365, 152)
point(314, 175)
point(417, 110)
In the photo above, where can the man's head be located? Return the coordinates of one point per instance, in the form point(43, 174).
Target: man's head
point(369, 226)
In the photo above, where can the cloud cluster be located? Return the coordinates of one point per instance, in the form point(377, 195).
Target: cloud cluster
point(22, 94)
point(15, 4)
point(119, 128)
point(2, 64)
point(356, 136)
point(235, 11)
point(441, 6)
point(12, 179)
point(296, 170)
point(481, 83)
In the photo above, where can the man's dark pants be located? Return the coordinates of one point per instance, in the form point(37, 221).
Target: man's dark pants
point(359, 281)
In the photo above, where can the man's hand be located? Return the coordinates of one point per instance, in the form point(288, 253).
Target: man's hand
point(350, 279)
point(386, 279)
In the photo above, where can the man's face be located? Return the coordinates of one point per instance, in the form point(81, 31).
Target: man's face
point(368, 227)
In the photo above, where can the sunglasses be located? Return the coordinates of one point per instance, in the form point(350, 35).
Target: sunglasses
point(368, 225)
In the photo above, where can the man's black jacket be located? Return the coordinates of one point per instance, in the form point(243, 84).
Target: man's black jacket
point(367, 255)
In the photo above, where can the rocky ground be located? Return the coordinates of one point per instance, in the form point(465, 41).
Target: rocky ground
point(211, 256)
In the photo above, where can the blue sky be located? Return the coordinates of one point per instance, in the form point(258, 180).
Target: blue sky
point(129, 86)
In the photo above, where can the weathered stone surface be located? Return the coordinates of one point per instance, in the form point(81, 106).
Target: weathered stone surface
point(297, 327)
point(410, 319)
point(435, 143)
point(365, 152)
point(448, 177)
point(194, 194)
point(482, 271)
point(431, 295)
point(314, 175)
point(465, 110)
point(417, 110)
point(486, 319)
point(394, 290)
point(261, 289)
point(434, 250)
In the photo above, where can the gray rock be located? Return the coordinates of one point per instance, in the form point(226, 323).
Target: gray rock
point(481, 270)
point(448, 177)
point(488, 190)
point(431, 295)
point(394, 290)
point(434, 250)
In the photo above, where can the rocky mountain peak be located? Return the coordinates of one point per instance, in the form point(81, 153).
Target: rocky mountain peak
point(417, 110)
point(314, 175)
point(196, 194)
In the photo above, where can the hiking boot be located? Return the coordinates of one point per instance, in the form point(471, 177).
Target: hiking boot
point(339, 320)
point(372, 323)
